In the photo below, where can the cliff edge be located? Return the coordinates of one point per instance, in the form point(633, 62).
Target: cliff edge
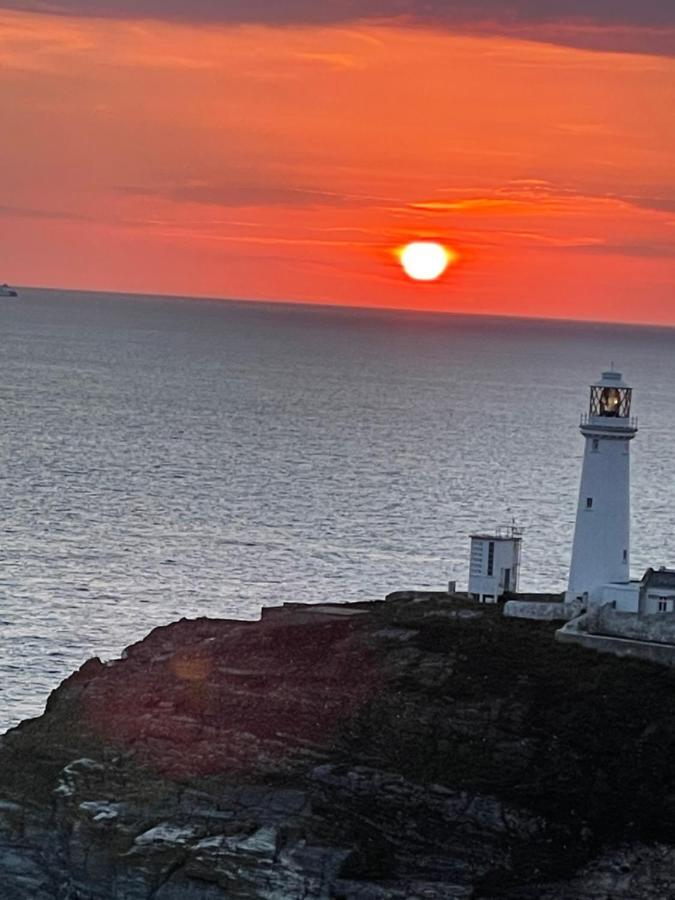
point(415, 748)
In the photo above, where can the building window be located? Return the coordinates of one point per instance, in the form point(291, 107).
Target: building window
point(491, 558)
point(589, 503)
point(663, 606)
point(596, 445)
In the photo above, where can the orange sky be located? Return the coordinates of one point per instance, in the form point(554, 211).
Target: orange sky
point(252, 161)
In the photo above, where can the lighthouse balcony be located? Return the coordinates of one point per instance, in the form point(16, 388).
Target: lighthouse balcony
point(608, 425)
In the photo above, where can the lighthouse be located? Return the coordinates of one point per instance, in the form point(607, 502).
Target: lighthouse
point(601, 549)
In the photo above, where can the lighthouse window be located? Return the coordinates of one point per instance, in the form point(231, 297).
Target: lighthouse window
point(610, 401)
point(491, 558)
point(625, 555)
point(596, 445)
point(589, 503)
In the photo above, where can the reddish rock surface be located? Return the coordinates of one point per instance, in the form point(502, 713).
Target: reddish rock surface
point(206, 697)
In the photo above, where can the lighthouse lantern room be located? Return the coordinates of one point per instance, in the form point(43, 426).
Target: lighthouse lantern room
point(601, 549)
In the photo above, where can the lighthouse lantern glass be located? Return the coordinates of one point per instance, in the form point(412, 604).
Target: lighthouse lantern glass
point(610, 402)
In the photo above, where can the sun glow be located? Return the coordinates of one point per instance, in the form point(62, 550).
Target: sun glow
point(426, 260)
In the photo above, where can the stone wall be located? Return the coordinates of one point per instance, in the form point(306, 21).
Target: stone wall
point(659, 628)
point(663, 654)
point(550, 612)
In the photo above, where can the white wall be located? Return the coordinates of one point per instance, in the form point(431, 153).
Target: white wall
point(654, 596)
point(602, 532)
point(506, 556)
point(625, 597)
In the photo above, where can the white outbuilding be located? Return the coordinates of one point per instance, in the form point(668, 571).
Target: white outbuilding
point(657, 592)
point(494, 565)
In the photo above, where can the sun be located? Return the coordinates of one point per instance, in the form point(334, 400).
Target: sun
point(426, 260)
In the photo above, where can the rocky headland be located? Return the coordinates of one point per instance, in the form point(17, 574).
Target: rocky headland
point(418, 748)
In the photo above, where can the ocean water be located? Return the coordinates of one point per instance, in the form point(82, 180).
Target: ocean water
point(163, 458)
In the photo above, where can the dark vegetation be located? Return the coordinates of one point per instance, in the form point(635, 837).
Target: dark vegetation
point(585, 740)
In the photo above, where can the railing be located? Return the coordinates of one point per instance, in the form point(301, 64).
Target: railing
point(508, 531)
point(609, 421)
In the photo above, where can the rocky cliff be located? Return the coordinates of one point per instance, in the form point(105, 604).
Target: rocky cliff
point(416, 748)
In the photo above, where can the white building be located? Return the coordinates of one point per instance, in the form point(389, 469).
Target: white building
point(494, 565)
point(657, 592)
point(600, 567)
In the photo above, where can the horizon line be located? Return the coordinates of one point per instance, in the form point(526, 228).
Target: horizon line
point(312, 304)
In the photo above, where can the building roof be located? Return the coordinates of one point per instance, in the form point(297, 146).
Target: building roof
point(659, 578)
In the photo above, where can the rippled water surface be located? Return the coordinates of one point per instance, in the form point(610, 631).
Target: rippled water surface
point(165, 458)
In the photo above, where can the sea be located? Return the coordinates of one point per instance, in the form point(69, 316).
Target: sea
point(164, 458)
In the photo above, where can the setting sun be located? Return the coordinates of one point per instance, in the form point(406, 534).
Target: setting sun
point(426, 260)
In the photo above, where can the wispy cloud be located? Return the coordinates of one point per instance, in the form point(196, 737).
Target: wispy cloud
point(648, 26)
point(536, 196)
point(239, 194)
point(49, 215)
point(661, 203)
point(644, 248)
point(482, 204)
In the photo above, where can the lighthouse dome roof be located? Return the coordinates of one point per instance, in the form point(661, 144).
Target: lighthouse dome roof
point(611, 379)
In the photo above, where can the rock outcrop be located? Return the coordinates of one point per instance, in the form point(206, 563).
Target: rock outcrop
point(422, 747)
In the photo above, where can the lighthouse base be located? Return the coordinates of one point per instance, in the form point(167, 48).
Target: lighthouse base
point(623, 634)
point(622, 595)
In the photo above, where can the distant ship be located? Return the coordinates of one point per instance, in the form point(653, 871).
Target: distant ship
point(7, 291)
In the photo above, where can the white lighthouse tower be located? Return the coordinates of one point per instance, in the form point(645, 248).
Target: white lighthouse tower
point(601, 550)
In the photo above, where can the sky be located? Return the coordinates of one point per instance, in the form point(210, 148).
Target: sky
point(278, 150)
